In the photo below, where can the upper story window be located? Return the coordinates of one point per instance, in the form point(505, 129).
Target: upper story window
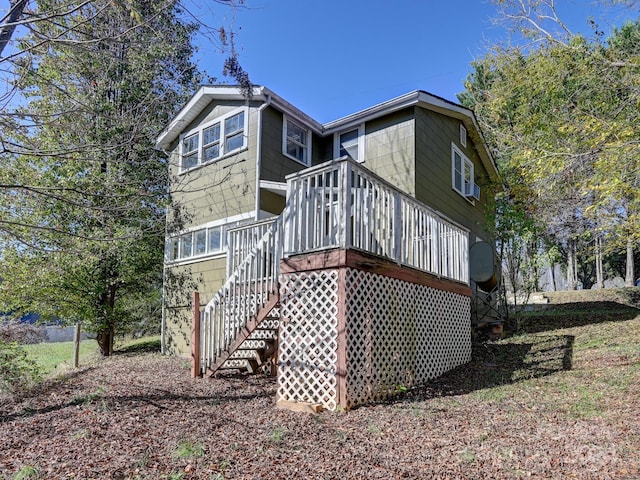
point(296, 141)
point(350, 143)
point(462, 174)
point(463, 136)
point(214, 140)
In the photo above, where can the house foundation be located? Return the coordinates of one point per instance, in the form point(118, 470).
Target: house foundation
point(357, 328)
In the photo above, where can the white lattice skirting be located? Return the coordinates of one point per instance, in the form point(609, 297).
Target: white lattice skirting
point(397, 334)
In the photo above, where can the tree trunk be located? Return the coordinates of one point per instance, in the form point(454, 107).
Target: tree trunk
point(571, 266)
point(105, 341)
point(106, 335)
point(599, 269)
point(630, 273)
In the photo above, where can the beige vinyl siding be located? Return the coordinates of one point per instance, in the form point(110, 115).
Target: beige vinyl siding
point(222, 188)
point(434, 134)
point(390, 149)
point(210, 276)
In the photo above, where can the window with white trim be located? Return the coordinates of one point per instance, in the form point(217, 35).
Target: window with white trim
point(461, 173)
point(296, 141)
point(196, 243)
point(350, 143)
point(463, 136)
point(214, 140)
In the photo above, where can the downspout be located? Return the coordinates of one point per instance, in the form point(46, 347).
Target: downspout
point(259, 154)
point(163, 324)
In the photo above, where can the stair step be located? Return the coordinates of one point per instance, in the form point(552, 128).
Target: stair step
point(256, 344)
point(269, 323)
point(264, 335)
point(244, 355)
point(236, 364)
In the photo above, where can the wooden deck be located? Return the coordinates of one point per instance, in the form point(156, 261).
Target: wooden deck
point(336, 212)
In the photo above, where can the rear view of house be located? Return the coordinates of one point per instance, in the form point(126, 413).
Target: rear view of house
point(336, 254)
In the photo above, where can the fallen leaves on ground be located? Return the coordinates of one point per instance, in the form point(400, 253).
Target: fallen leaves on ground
point(143, 417)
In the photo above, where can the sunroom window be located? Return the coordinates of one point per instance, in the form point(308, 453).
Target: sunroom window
point(297, 140)
point(196, 243)
point(214, 140)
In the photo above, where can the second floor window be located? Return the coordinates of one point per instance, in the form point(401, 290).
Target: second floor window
point(350, 143)
point(214, 140)
point(462, 173)
point(296, 141)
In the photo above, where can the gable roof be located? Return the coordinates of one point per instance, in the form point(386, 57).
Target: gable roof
point(206, 94)
point(419, 98)
point(427, 101)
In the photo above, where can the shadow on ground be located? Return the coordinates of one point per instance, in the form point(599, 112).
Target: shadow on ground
point(501, 363)
point(520, 356)
point(150, 346)
point(569, 315)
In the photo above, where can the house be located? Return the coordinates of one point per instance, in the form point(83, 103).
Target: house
point(338, 251)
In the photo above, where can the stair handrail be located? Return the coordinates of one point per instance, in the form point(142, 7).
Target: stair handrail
point(245, 291)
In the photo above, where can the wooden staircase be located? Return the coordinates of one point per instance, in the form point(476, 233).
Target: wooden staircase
point(256, 346)
point(239, 327)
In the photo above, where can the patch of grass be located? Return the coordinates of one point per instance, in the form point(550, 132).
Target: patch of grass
point(586, 403)
point(467, 456)
point(26, 472)
point(58, 357)
point(374, 428)
point(89, 398)
point(277, 435)
point(188, 449)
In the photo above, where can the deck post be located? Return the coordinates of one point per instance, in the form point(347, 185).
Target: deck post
point(195, 335)
point(346, 191)
point(397, 228)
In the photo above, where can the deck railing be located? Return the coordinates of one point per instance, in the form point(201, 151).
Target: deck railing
point(243, 239)
point(341, 204)
point(249, 287)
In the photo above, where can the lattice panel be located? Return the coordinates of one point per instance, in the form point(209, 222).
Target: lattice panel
point(308, 340)
point(399, 333)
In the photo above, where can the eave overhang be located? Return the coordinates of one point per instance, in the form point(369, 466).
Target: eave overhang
point(427, 101)
point(208, 93)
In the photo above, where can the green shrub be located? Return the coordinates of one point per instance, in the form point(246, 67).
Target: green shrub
point(17, 370)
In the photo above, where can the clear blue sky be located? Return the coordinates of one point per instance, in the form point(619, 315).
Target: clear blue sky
point(331, 58)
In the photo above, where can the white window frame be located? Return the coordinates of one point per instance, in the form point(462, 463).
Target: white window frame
point(174, 243)
point(222, 140)
point(306, 147)
point(463, 136)
point(336, 142)
point(466, 189)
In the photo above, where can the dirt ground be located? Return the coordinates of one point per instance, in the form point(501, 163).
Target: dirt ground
point(503, 416)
